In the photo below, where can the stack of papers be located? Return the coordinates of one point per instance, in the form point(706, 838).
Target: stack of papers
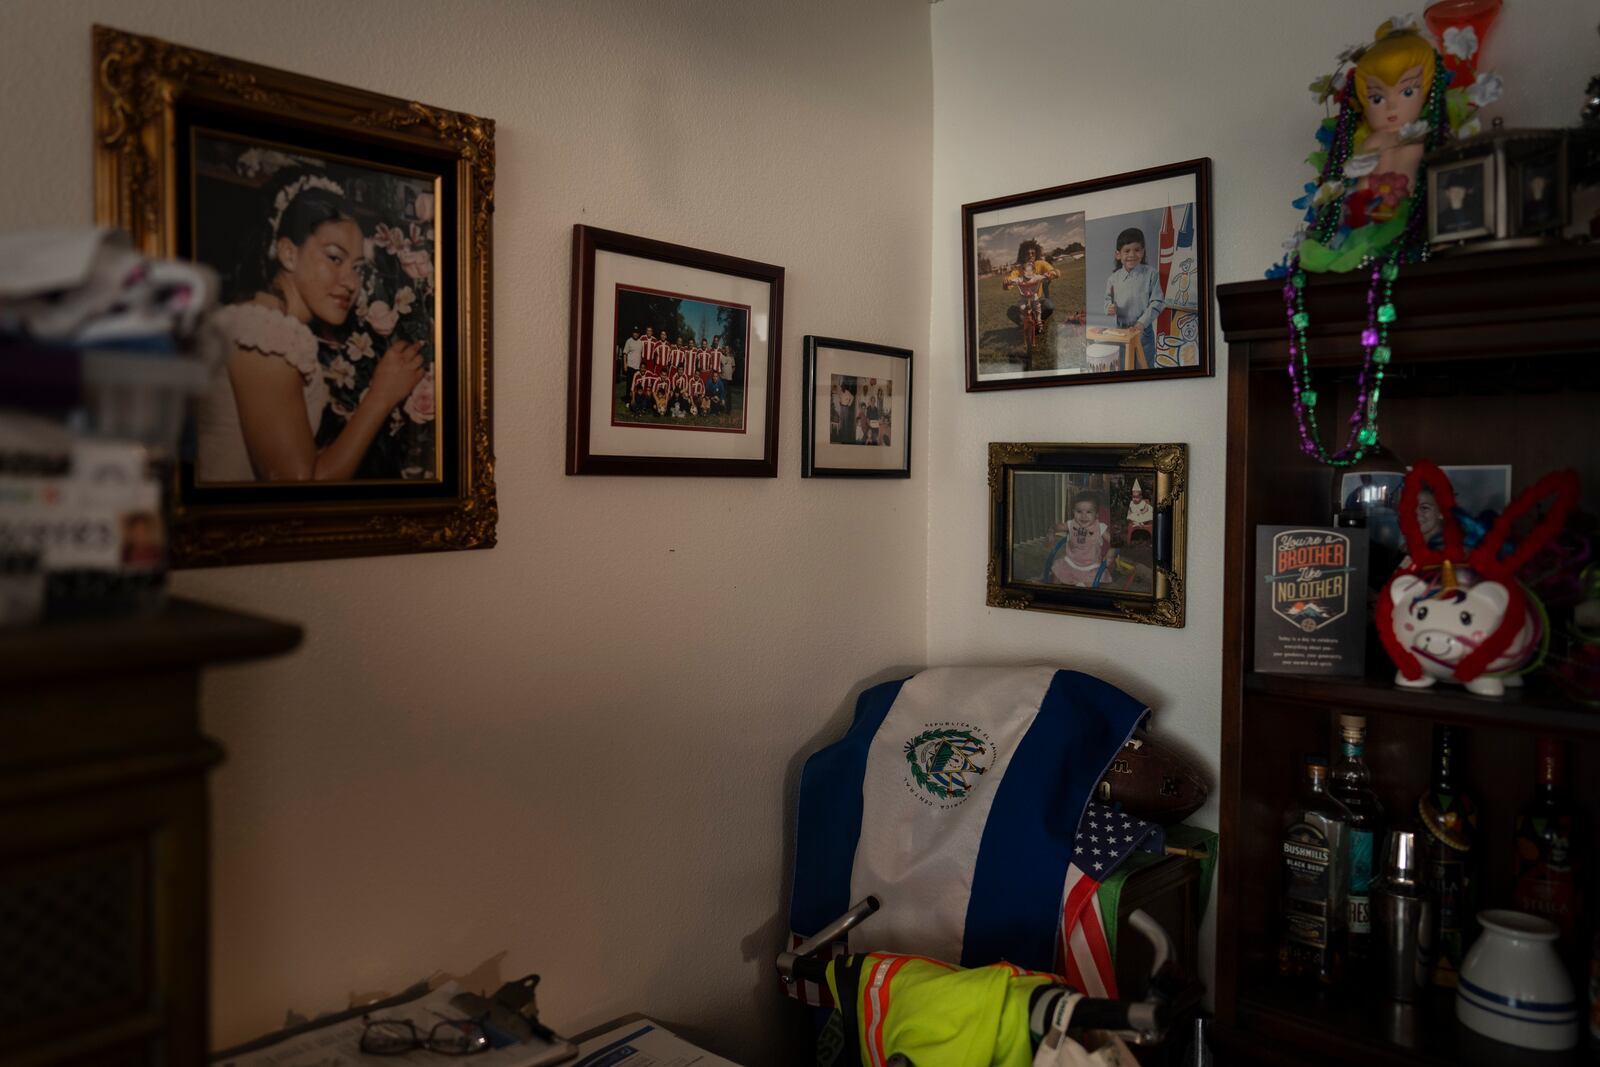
point(642, 1043)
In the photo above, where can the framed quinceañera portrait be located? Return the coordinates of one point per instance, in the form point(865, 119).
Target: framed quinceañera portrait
point(1098, 281)
point(674, 365)
point(1089, 529)
point(349, 233)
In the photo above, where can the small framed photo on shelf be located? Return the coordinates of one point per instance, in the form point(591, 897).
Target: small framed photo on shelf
point(675, 359)
point(856, 410)
point(1481, 488)
point(1462, 196)
point(1089, 529)
point(350, 234)
point(1541, 192)
point(1103, 280)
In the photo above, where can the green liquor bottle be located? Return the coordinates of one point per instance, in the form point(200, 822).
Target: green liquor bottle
point(1351, 784)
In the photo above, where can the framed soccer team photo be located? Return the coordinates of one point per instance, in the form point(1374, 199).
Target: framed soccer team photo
point(856, 410)
point(675, 359)
point(1085, 529)
point(349, 233)
point(1098, 281)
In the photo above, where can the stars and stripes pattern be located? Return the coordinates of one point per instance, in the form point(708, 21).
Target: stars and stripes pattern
point(1105, 839)
point(815, 994)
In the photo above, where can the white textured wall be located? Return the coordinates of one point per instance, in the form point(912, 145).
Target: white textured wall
point(1035, 93)
point(578, 749)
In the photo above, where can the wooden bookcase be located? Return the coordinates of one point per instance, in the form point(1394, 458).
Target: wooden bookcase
point(104, 868)
point(1496, 360)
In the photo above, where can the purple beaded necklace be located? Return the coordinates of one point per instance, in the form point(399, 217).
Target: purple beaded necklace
point(1407, 247)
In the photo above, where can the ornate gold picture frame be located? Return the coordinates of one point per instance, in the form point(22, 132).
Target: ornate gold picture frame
point(1089, 529)
point(351, 235)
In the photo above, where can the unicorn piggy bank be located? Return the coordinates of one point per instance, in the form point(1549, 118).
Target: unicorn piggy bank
point(1444, 623)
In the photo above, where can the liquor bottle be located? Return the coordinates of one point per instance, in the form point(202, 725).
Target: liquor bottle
point(1316, 878)
point(1351, 784)
point(1449, 819)
point(1546, 883)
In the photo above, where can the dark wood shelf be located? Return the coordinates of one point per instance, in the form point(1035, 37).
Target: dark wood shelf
point(183, 633)
point(1496, 361)
point(1376, 1030)
point(1490, 305)
point(1536, 707)
point(104, 846)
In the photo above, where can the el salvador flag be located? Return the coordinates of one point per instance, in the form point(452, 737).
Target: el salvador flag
point(955, 798)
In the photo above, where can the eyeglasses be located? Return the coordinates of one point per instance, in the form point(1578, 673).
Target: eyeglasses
point(450, 1037)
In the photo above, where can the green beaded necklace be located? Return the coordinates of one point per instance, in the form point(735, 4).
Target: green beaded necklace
point(1409, 247)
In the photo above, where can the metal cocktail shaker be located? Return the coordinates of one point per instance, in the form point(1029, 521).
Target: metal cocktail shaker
point(1403, 913)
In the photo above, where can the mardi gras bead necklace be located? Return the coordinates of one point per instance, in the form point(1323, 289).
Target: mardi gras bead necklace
point(1408, 247)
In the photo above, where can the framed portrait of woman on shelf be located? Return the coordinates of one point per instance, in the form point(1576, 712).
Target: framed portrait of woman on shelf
point(349, 233)
point(856, 410)
point(1099, 281)
point(674, 364)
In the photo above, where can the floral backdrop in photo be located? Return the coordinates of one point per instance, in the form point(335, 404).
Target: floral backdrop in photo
point(395, 304)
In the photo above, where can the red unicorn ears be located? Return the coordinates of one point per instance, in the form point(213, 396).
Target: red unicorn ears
point(1428, 476)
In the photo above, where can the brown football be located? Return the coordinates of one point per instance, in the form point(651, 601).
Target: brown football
point(1150, 780)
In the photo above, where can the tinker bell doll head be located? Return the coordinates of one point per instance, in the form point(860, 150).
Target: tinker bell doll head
point(1392, 79)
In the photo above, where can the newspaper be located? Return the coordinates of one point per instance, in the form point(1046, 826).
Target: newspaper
point(338, 1043)
point(642, 1043)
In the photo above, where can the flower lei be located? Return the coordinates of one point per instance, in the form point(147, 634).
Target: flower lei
point(1329, 218)
point(286, 195)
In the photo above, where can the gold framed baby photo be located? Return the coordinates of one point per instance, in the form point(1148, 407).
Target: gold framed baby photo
point(350, 237)
point(1098, 281)
point(1089, 529)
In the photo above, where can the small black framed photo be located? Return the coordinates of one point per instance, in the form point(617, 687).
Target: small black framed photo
point(856, 410)
point(1462, 196)
point(1540, 194)
point(1089, 529)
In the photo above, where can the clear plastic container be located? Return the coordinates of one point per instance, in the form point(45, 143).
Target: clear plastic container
point(140, 396)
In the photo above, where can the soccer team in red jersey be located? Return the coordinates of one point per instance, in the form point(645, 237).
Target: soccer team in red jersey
point(677, 377)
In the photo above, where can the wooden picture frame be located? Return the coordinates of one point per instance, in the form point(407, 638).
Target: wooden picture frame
point(1038, 269)
point(204, 157)
point(1463, 199)
point(855, 410)
point(1089, 529)
point(653, 385)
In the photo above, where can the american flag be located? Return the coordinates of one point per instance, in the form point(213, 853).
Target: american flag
point(1105, 839)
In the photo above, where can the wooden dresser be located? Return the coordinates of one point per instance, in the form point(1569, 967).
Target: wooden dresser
point(104, 877)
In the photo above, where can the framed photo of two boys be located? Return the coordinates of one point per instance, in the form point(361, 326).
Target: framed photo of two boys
point(1098, 281)
point(349, 234)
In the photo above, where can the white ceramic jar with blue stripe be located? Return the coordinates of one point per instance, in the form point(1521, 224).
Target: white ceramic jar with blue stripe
point(1513, 987)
